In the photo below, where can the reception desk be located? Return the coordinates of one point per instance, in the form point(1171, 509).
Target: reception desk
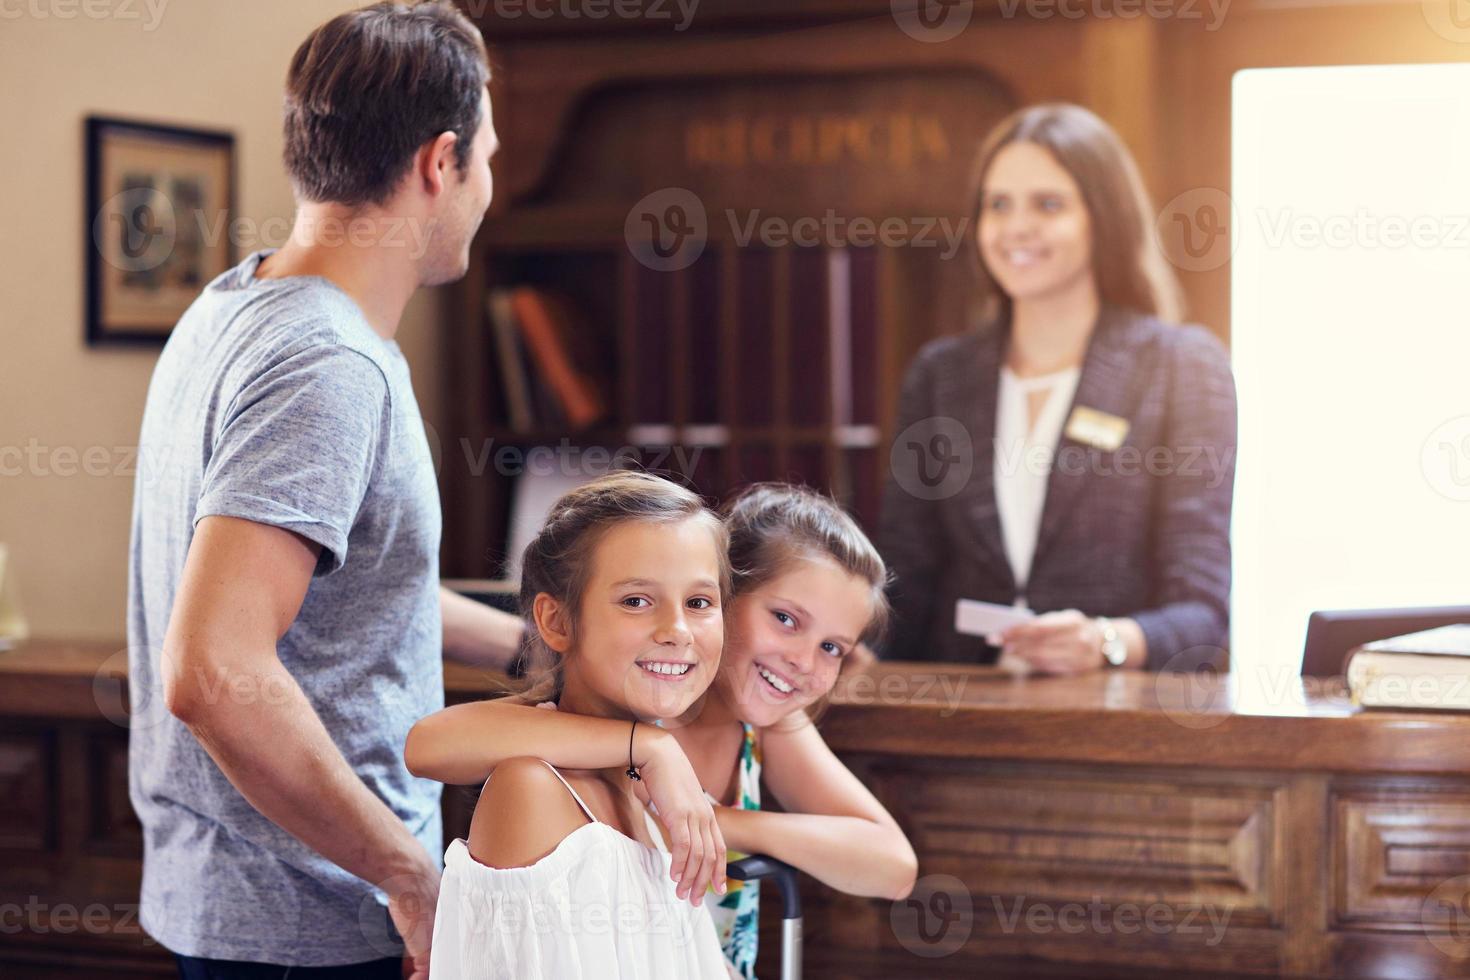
point(1190, 823)
point(1113, 824)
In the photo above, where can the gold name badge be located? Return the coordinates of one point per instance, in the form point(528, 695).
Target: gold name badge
point(1098, 429)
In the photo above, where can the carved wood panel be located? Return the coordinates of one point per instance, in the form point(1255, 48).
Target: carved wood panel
point(1401, 853)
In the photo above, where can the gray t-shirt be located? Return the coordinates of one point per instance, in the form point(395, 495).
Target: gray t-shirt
point(275, 401)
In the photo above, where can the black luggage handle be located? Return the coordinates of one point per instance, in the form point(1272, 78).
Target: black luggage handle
point(760, 866)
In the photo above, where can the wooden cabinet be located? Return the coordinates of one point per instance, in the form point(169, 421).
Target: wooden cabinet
point(70, 849)
point(1116, 824)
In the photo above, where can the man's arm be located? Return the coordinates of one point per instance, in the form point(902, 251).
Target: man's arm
point(477, 634)
point(242, 587)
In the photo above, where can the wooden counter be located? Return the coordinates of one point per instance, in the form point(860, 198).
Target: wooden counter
point(1093, 826)
point(1283, 723)
point(1187, 823)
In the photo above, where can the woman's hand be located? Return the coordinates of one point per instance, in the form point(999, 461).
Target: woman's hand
point(1064, 642)
point(695, 841)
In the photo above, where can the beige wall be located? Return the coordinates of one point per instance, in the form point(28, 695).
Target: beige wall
point(213, 64)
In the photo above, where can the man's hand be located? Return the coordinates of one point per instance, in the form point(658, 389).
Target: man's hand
point(412, 900)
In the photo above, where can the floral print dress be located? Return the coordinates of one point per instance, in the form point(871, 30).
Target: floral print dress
point(737, 912)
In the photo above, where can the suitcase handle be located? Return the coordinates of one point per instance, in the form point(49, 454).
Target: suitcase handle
point(760, 866)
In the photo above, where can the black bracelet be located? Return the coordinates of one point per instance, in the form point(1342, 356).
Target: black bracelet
point(633, 772)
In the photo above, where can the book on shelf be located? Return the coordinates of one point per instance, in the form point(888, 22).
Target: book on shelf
point(561, 352)
point(515, 380)
point(529, 401)
point(1429, 669)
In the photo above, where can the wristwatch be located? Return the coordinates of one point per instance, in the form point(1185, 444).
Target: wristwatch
point(1114, 650)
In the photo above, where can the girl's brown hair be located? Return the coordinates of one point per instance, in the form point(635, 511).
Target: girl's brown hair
point(559, 560)
point(1130, 270)
point(772, 525)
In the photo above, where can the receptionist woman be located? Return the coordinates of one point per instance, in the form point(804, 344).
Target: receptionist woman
point(1073, 453)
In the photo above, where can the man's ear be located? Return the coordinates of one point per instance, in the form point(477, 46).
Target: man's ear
point(552, 622)
point(434, 161)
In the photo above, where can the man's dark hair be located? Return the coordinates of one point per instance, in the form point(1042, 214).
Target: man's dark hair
point(371, 86)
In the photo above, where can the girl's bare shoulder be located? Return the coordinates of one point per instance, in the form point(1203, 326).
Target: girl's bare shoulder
point(523, 813)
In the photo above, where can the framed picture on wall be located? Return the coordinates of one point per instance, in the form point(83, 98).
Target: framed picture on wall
point(160, 200)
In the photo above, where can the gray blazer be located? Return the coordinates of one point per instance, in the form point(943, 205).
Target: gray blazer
point(1141, 531)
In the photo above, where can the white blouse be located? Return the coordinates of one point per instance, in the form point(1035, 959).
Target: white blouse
point(600, 905)
point(1023, 459)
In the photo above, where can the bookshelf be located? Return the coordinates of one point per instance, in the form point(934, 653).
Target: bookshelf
point(759, 360)
point(751, 364)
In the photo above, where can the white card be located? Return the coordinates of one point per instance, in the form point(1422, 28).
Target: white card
point(985, 618)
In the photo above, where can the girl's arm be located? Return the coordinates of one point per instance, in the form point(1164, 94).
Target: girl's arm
point(463, 744)
point(834, 830)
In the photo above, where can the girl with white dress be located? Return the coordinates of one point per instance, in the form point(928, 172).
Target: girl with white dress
point(564, 874)
point(808, 591)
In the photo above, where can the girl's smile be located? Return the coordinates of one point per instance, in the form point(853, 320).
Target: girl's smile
point(668, 670)
point(780, 686)
point(784, 654)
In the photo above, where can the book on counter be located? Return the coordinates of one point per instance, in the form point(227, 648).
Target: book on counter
point(1429, 669)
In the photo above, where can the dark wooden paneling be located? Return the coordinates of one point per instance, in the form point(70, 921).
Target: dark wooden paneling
point(1117, 868)
point(27, 785)
point(113, 826)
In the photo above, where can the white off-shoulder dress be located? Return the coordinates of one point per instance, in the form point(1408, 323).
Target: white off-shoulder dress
point(601, 905)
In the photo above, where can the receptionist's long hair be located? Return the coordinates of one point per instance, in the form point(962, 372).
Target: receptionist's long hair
point(1129, 268)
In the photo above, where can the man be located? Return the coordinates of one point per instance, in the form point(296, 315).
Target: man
point(283, 584)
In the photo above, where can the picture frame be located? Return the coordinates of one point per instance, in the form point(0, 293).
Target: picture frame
point(160, 203)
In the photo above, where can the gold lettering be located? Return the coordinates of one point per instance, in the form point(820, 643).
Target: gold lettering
point(932, 138)
point(735, 141)
point(860, 137)
point(829, 139)
point(763, 141)
point(803, 142)
point(901, 139)
point(898, 139)
point(699, 145)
